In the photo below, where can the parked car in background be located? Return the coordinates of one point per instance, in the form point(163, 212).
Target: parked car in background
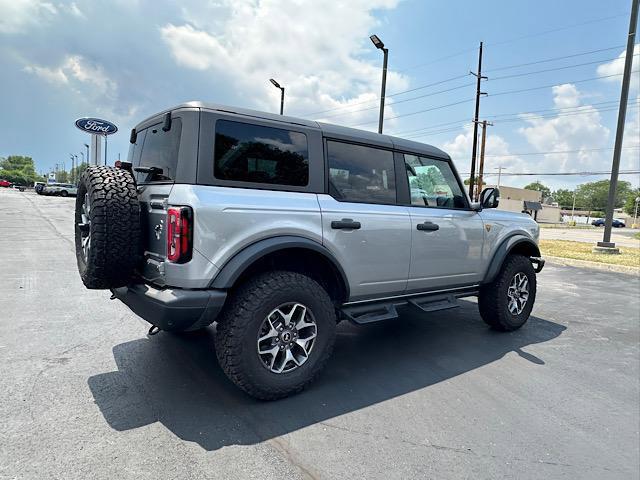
point(20, 188)
point(61, 189)
point(617, 223)
point(5, 183)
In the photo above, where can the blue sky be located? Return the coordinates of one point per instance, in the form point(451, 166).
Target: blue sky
point(64, 60)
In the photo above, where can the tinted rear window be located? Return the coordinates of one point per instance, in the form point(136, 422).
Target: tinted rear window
point(160, 149)
point(257, 154)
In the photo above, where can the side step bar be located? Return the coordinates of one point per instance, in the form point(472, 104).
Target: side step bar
point(434, 303)
point(370, 313)
point(386, 310)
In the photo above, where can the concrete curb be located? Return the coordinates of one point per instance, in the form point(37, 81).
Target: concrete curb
point(572, 262)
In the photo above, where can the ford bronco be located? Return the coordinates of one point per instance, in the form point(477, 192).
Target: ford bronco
point(276, 228)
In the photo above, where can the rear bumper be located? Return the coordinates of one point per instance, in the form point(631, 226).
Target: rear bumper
point(172, 308)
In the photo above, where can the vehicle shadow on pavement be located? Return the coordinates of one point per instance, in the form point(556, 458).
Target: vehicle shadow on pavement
point(176, 380)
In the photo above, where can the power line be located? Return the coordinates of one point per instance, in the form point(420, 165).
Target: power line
point(401, 101)
point(502, 42)
point(457, 77)
point(518, 118)
point(523, 74)
point(559, 29)
point(556, 84)
point(507, 92)
point(557, 152)
point(421, 87)
point(421, 111)
point(508, 67)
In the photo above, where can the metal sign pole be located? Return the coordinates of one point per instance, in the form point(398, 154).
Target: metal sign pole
point(105, 150)
point(96, 149)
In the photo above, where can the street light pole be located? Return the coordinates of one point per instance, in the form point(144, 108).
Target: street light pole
point(380, 46)
point(277, 85)
point(606, 245)
point(87, 147)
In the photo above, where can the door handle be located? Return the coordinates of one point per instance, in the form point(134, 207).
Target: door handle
point(345, 223)
point(428, 226)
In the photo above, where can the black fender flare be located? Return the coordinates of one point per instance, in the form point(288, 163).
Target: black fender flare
point(242, 260)
point(506, 247)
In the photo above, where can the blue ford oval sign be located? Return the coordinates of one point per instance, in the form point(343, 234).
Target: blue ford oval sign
point(96, 126)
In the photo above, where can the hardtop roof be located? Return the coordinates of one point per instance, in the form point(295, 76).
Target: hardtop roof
point(328, 130)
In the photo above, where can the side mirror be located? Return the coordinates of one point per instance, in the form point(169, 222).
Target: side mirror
point(490, 197)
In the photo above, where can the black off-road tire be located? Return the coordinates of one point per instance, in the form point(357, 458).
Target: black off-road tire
point(64, 193)
point(115, 227)
point(239, 324)
point(493, 299)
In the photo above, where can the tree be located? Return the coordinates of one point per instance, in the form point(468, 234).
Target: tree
point(594, 195)
point(539, 187)
point(564, 197)
point(19, 170)
point(630, 203)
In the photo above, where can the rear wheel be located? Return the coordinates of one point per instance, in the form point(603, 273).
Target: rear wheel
point(276, 334)
point(506, 303)
point(64, 193)
point(107, 227)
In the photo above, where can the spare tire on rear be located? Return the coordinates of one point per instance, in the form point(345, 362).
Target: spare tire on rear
point(107, 227)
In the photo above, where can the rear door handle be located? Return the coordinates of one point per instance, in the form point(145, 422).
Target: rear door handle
point(428, 226)
point(345, 223)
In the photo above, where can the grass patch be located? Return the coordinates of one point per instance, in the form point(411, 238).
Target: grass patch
point(636, 235)
point(565, 226)
point(629, 256)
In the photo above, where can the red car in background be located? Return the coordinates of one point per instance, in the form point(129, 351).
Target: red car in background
point(5, 183)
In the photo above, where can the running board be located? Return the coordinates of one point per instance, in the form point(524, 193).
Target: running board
point(386, 309)
point(433, 303)
point(363, 314)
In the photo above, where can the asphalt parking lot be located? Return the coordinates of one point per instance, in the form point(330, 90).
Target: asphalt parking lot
point(86, 394)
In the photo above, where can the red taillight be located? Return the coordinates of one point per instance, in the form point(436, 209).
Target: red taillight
point(179, 234)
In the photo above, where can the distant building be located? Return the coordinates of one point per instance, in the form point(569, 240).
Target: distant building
point(530, 202)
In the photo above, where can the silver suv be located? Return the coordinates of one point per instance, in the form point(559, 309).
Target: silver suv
point(276, 228)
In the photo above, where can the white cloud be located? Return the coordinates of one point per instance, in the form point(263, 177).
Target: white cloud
point(497, 153)
point(316, 58)
point(75, 67)
point(616, 67)
point(16, 16)
point(580, 133)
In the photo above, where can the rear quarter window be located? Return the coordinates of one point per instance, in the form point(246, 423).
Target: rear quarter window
point(251, 153)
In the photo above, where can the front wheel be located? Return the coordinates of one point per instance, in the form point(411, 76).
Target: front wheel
point(506, 303)
point(276, 334)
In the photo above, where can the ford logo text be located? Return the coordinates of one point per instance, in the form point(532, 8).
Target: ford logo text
point(96, 126)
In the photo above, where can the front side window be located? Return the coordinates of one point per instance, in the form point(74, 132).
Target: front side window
point(257, 154)
point(361, 174)
point(160, 152)
point(433, 183)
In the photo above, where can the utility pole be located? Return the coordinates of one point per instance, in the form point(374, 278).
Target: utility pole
point(606, 245)
point(500, 174)
point(479, 78)
point(482, 145)
point(573, 208)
